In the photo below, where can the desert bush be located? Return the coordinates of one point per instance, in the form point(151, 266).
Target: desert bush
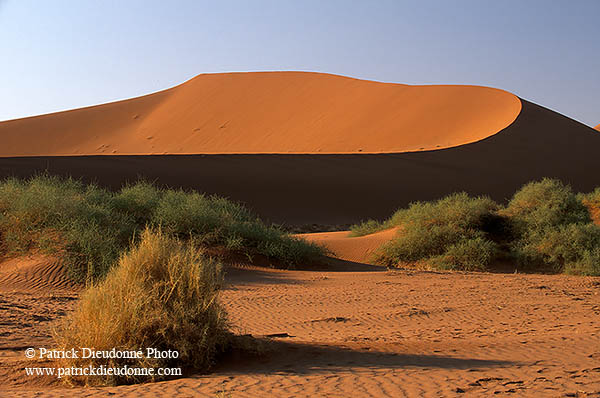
point(592, 202)
point(366, 228)
point(553, 226)
point(445, 230)
point(63, 216)
point(544, 227)
point(457, 208)
point(587, 264)
point(474, 254)
point(163, 295)
point(89, 227)
point(138, 200)
point(557, 247)
point(593, 198)
point(545, 204)
point(215, 220)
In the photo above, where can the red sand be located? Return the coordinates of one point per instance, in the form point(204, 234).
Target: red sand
point(357, 249)
point(270, 112)
point(362, 334)
point(365, 333)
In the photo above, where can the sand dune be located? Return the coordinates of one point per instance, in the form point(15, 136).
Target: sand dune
point(597, 127)
point(357, 249)
point(270, 112)
point(341, 189)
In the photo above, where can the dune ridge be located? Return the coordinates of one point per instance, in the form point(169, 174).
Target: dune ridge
point(270, 112)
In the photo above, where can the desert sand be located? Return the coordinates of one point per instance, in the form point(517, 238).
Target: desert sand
point(303, 148)
point(270, 112)
point(597, 127)
point(365, 333)
point(349, 248)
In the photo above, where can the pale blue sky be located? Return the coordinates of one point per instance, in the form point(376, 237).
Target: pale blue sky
point(57, 55)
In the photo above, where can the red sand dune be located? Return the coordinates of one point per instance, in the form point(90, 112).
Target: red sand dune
point(597, 127)
point(357, 249)
point(270, 112)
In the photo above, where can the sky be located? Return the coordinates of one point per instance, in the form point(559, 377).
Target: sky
point(58, 55)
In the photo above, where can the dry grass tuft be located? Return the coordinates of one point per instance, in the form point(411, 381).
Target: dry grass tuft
point(162, 294)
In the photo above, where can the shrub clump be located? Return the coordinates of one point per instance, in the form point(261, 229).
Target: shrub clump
point(544, 227)
point(89, 227)
point(163, 295)
point(592, 202)
point(451, 230)
point(63, 215)
point(553, 227)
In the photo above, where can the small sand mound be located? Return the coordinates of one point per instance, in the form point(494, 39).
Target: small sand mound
point(356, 249)
point(33, 273)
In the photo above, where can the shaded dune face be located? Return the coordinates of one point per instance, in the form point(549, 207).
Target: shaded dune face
point(270, 112)
point(339, 189)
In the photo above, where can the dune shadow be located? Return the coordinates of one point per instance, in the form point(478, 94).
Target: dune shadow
point(253, 275)
point(258, 273)
point(302, 358)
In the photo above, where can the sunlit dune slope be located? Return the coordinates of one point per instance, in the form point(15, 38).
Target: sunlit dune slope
point(270, 112)
point(597, 127)
point(358, 249)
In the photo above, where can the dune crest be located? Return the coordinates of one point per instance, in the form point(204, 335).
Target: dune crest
point(270, 112)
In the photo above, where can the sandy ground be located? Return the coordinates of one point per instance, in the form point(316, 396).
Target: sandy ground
point(270, 112)
point(365, 333)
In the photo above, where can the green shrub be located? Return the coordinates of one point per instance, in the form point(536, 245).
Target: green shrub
point(366, 228)
point(66, 217)
point(162, 295)
point(553, 226)
point(557, 247)
point(467, 255)
point(89, 227)
point(593, 198)
point(138, 200)
point(587, 264)
point(444, 229)
point(215, 220)
point(458, 209)
point(545, 204)
point(592, 202)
